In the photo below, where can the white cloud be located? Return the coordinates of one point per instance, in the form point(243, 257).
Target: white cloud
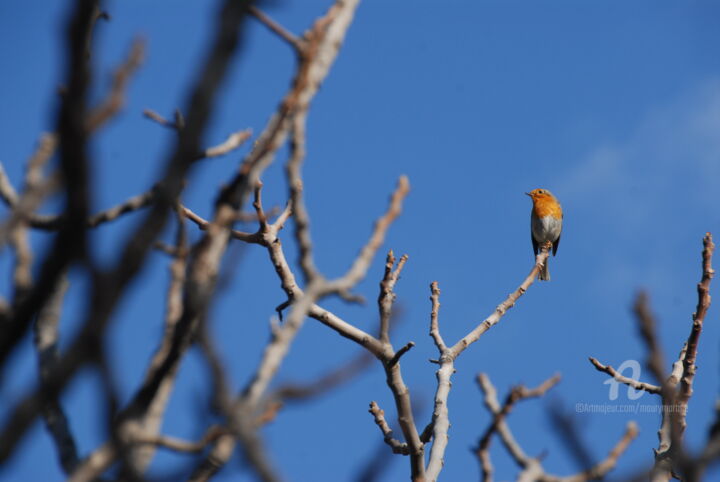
point(647, 193)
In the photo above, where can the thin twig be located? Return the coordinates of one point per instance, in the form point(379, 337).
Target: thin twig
point(293, 40)
point(379, 416)
point(636, 384)
point(115, 100)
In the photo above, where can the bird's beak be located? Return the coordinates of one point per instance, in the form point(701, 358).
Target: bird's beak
point(528, 194)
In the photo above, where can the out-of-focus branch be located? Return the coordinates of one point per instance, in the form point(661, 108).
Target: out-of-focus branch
point(69, 244)
point(109, 287)
point(602, 468)
point(517, 394)
point(293, 40)
point(359, 268)
point(234, 140)
point(55, 222)
point(46, 340)
point(35, 190)
point(180, 445)
point(531, 468)
point(501, 427)
point(646, 324)
point(176, 125)
point(254, 238)
point(668, 441)
point(115, 100)
point(143, 416)
point(301, 218)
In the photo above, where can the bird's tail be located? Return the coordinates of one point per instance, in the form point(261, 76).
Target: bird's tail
point(544, 272)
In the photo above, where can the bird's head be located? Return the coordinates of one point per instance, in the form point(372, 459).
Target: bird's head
point(540, 195)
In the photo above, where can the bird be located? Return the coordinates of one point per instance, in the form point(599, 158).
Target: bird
point(546, 219)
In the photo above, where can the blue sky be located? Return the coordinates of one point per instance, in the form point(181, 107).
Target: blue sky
point(613, 107)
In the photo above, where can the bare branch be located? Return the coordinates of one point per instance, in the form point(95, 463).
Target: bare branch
point(179, 445)
point(387, 296)
point(599, 470)
point(234, 140)
point(502, 308)
point(203, 224)
point(434, 326)
point(295, 182)
point(46, 340)
point(406, 348)
point(703, 304)
point(517, 394)
point(379, 416)
point(502, 429)
point(295, 42)
point(358, 269)
point(158, 118)
point(115, 100)
point(646, 324)
point(109, 287)
point(637, 385)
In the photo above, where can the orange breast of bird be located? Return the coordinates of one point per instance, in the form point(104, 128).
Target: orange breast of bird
point(547, 206)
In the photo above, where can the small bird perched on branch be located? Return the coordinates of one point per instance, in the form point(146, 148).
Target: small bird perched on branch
point(545, 224)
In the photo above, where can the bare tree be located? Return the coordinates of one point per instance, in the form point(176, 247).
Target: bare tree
point(135, 433)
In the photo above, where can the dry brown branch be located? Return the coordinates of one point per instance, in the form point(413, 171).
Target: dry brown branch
point(636, 384)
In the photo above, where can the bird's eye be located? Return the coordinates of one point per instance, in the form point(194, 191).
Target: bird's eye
point(540, 191)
